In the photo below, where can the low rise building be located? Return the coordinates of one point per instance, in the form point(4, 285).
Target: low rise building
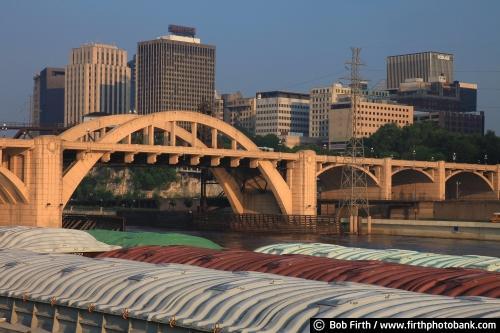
point(282, 113)
point(370, 115)
point(321, 100)
point(240, 111)
point(451, 105)
point(218, 107)
point(459, 122)
point(437, 96)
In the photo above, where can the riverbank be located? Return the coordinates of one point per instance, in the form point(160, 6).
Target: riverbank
point(437, 229)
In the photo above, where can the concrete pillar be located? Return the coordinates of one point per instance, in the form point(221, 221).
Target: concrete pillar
point(151, 135)
point(304, 192)
point(44, 183)
point(173, 126)
point(16, 165)
point(214, 138)
point(386, 179)
point(194, 134)
point(440, 181)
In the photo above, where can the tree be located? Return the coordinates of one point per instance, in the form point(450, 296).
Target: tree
point(432, 143)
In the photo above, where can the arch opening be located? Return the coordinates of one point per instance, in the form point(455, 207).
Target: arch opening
point(329, 184)
point(466, 185)
point(411, 185)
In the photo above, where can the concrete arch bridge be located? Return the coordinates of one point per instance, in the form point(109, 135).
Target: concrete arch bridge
point(38, 176)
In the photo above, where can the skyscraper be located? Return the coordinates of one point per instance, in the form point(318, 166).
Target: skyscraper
point(430, 66)
point(48, 97)
point(175, 72)
point(97, 80)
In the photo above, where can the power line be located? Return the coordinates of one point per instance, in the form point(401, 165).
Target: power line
point(313, 80)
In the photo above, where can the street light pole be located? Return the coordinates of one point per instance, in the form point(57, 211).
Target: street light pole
point(414, 153)
point(458, 183)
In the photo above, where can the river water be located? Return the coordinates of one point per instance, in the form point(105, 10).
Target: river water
point(251, 241)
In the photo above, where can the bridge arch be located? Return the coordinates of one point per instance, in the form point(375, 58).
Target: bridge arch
point(412, 170)
point(129, 124)
point(469, 185)
point(77, 132)
point(409, 184)
point(329, 183)
point(369, 174)
point(12, 189)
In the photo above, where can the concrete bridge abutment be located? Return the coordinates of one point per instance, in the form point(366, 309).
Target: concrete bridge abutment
point(43, 180)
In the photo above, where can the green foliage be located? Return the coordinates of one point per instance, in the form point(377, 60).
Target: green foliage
point(429, 142)
point(269, 141)
point(95, 185)
point(150, 178)
point(432, 143)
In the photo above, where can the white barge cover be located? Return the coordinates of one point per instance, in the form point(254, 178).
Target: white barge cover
point(133, 294)
point(51, 240)
point(407, 257)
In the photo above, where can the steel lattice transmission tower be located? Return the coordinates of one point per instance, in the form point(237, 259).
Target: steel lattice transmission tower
point(354, 182)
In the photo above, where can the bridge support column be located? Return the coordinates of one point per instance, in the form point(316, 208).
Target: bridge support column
point(303, 184)
point(386, 179)
point(44, 183)
point(440, 181)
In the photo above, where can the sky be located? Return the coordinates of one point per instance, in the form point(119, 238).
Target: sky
point(261, 45)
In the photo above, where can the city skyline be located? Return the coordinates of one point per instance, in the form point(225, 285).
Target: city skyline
point(305, 48)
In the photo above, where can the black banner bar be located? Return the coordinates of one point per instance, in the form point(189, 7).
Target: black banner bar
point(322, 325)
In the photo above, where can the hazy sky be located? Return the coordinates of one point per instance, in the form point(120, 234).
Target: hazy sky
point(261, 45)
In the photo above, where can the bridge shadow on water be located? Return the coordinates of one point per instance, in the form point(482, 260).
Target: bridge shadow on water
point(251, 241)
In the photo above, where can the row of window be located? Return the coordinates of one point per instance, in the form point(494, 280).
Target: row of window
point(103, 56)
point(293, 106)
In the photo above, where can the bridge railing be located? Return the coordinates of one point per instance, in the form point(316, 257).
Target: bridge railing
point(275, 223)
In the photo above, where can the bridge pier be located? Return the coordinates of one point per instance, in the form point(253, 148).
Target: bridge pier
point(386, 179)
point(43, 179)
point(303, 184)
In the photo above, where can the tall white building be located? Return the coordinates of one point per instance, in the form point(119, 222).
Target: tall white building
point(282, 113)
point(97, 80)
